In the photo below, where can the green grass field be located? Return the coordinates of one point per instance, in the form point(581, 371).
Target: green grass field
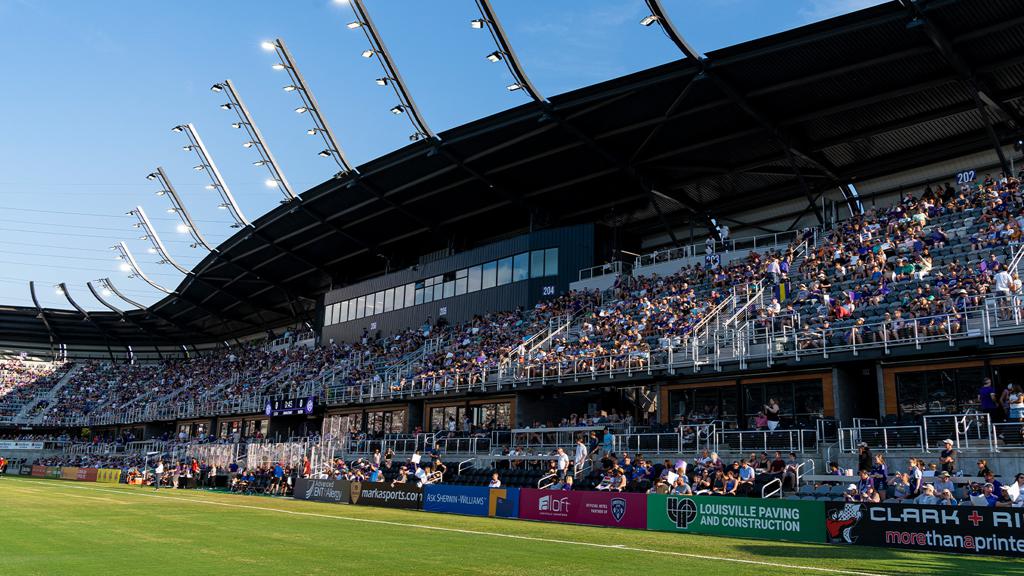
point(56, 527)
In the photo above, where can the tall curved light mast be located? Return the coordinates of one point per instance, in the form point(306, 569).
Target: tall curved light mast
point(245, 122)
point(154, 239)
point(504, 53)
point(128, 264)
point(392, 77)
point(309, 104)
point(99, 295)
point(108, 284)
point(178, 207)
point(207, 165)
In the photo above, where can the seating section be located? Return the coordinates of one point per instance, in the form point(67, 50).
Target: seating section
point(915, 268)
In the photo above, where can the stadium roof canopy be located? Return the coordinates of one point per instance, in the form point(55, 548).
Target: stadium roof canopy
point(787, 116)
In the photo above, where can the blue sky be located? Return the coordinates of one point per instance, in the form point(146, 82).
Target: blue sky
point(92, 89)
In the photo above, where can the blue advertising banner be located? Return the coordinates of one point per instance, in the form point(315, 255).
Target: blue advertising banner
point(471, 500)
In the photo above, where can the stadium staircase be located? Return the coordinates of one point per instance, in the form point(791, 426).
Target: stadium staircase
point(23, 415)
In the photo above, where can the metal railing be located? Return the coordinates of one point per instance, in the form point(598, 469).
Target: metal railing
point(757, 242)
point(885, 438)
point(616, 267)
point(797, 440)
point(656, 443)
point(969, 430)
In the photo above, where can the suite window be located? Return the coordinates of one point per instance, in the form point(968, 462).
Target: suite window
point(489, 275)
point(369, 305)
point(536, 264)
point(378, 303)
point(389, 300)
point(521, 267)
point(438, 288)
point(399, 297)
point(352, 305)
point(504, 271)
point(410, 295)
point(335, 310)
point(473, 277)
point(460, 282)
point(343, 312)
point(360, 306)
point(420, 292)
point(551, 262)
point(327, 317)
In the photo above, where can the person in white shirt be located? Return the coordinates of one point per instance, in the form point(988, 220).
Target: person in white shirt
point(581, 453)
point(158, 473)
point(562, 462)
point(1015, 491)
point(495, 481)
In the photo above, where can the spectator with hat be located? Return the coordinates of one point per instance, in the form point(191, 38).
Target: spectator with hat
point(947, 458)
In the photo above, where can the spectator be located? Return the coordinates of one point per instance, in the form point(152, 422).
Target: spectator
point(947, 458)
point(495, 481)
point(927, 495)
point(988, 400)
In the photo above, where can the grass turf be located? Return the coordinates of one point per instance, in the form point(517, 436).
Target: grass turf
point(56, 527)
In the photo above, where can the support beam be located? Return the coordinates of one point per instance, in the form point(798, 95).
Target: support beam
point(42, 316)
point(88, 318)
point(985, 97)
point(124, 318)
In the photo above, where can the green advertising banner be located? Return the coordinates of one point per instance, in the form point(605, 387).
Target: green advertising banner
point(769, 518)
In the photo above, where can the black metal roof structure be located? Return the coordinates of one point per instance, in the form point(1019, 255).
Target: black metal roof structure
point(867, 94)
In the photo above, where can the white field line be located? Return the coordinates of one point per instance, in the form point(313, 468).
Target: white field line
point(155, 494)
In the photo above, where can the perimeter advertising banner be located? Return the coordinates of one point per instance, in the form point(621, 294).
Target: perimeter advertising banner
point(322, 490)
point(471, 500)
point(108, 475)
point(741, 517)
point(962, 529)
point(39, 471)
point(408, 496)
point(69, 473)
point(616, 509)
point(86, 474)
point(53, 472)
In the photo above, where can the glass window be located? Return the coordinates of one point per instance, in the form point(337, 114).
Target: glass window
point(438, 291)
point(460, 286)
point(389, 300)
point(410, 295)
point(343, 315)
point(360, 306)
point(809, 399)
point(551, 262)
point(335, 310)
point(488, 273)
point(473, 279)
point(378, 302)
point(399, 297)
point(449, 289)
point(504, 271)
point(419, 295)
point(536, 264)
point(327, 316)
point(521, 267)
point(369, 305)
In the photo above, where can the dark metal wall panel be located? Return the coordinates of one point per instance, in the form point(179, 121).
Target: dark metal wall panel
point(575, 251)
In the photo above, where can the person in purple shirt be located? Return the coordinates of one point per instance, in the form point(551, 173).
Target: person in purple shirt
point(987, 400)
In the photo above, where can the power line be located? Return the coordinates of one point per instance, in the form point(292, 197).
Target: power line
point(95, 215)
point(62, 233)
point(37, 265)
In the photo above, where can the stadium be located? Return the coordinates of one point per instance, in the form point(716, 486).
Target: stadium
point(755, 308)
